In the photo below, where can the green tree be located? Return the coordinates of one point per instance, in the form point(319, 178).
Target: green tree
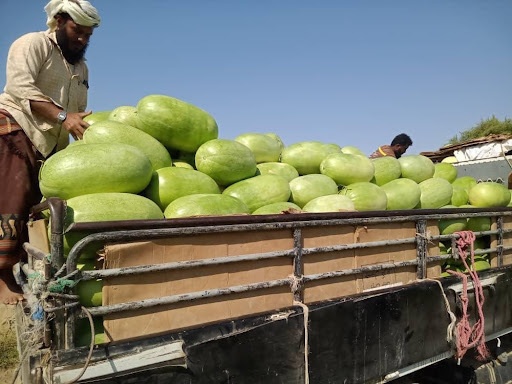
point(490, 126)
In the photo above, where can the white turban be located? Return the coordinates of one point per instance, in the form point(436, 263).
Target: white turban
point(81, 11)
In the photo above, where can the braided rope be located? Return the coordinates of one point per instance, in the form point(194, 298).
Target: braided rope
point(470, 336)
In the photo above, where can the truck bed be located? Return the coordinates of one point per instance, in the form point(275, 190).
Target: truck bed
point(358, 309)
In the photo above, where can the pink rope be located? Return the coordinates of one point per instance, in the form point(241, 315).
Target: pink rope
point(470, 336)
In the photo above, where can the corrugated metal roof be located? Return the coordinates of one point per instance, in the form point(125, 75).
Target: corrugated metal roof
point(448, 150)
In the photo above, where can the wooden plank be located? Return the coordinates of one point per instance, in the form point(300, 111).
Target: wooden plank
point(172, 352)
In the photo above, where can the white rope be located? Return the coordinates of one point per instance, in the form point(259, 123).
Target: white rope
point(492, 374)
point(296, 284)
point(450, 330)
point(305, 311)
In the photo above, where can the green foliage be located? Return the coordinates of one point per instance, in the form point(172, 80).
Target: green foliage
point(490, 126)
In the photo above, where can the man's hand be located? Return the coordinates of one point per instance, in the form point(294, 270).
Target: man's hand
point(75, 124)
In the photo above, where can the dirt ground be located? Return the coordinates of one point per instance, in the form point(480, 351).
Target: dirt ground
point(8, 349)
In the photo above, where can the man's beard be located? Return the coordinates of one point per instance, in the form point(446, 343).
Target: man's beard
point(71, 56)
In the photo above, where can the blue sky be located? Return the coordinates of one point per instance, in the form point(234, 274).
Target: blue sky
point(347, 72)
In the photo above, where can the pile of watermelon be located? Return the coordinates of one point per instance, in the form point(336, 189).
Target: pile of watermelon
point(163, 158)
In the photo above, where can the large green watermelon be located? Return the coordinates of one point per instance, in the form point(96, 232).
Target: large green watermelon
point(94, 168)
point(307, 187)
point(109, 131)
point(97, 116)
point(281, 169)
point(206, 204)
point(489, 194)
point(330, 203)
point(225, 161)
point(175, 123)
point(387, 168)
point(277, 208)
point(260, 190)
point(346, 168)
point(264, 147)
point(169, 183)
point(97, 207)
point(416, 167)
point(446, 171)
point(366, 196)
point(306, 156)
point(126, 114)
point(401, 193)
point(436, 192)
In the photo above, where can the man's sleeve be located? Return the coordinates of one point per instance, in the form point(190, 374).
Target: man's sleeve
point(386, 150)
point(24, 61)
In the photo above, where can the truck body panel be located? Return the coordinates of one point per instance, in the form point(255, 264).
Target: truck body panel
point(494, 169)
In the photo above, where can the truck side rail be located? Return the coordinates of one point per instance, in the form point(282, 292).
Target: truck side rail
point(192, 227)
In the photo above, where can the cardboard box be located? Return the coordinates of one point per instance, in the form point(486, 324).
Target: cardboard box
point(329, 288)
point(173, 317)
point(38, 234)
point(188, 314)
point(507, 242)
